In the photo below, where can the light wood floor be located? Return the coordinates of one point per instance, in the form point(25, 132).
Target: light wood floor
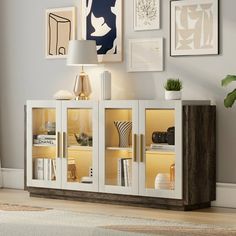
point(214, 216)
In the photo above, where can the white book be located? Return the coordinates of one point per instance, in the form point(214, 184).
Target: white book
point(119, 172)
point(129, 171)
point(46, 168)
point(39, 168)
point(54, 169)
point(50, 169)
point(125, 172)
point(162, 146)
point(45, 136)
point(42, 142)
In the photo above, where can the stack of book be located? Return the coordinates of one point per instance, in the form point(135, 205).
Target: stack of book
point(44, 169)
point(124, 172)
point(46, 140)
point(162, 146)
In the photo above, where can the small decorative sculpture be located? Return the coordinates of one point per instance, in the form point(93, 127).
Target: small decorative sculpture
point(124, 128)
point(83, 139)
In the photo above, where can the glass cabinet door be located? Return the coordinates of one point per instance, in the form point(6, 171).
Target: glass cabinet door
point(160, 153)
point(43, 150)
point(80, 150)
point(118, 149)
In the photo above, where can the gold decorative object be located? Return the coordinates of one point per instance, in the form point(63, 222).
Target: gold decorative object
point(71, 170)
point(82, 87)
point(82, 53)
point(172, 176)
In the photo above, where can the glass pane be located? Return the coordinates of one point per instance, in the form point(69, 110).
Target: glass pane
point(118, 141)
point(44, 144)
point(80, 146)
point(160, 149)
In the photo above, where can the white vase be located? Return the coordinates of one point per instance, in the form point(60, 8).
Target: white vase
point(162, 181)
point(173, 95)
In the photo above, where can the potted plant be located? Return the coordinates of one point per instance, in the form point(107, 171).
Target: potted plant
point(173, 89)
point(231, 97)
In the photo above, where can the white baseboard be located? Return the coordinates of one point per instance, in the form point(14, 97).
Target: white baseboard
point(1, 178)
point(0, 174)
point(225, 195)
point(12, 178)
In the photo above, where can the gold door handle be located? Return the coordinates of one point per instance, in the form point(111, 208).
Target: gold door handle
point(64, 144)
point(135, 147)
point(58, 145)
point(141, 148)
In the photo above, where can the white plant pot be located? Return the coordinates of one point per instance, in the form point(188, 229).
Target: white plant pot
point(173, 95)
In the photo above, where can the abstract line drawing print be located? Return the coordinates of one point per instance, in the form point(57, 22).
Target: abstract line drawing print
point(59, 34)
point(194, 27)
point(147, 14)
point(103, 24)
point(60, 30)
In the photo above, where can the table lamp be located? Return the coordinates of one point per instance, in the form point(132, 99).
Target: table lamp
point(82, 53)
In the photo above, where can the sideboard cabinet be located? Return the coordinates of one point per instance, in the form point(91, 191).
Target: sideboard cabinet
point(120, 152)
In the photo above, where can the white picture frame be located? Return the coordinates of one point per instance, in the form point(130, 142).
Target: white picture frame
point(145, 55)
point(114, 54)
point(57, 38)
point(146, 18)
point(194, 27)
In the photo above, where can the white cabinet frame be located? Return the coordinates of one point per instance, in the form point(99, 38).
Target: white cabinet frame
point(94, 108)
point(42, 105)
point(177, 193)
point(133, 105)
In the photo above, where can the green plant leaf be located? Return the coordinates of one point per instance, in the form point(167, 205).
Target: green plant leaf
point(173, 85)
point(230, 99)
point(228, 79)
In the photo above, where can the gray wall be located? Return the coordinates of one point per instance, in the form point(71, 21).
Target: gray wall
point(25, 74)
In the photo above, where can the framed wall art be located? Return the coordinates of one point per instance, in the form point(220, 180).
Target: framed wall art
point(145, 55)
point(102, 22)
point(60, 29)
point(146, 14)
point(194, 27)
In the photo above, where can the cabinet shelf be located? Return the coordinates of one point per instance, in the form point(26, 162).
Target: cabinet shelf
point(44, 145)
point(80, 148)
point(159, 151)
point(148, 150)
point(129, 149)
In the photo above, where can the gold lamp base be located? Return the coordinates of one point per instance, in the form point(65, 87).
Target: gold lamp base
point(82, 87)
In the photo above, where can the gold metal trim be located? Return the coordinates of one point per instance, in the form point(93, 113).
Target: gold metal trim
point(64, 145)
point(135, 147)
point(141, 148)
point(58, 145)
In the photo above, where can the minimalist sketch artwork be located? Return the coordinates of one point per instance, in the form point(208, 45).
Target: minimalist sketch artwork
point(145, 55)
point(103, 23)
point(194, 27)
point(60, 29)
point(146, 14)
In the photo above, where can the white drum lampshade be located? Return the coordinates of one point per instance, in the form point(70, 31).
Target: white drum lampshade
point(82, 53)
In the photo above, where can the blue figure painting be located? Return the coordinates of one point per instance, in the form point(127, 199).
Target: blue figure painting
point(101, 25)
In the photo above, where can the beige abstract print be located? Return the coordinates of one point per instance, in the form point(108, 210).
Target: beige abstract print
point(60, 29)
point(194, 27)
